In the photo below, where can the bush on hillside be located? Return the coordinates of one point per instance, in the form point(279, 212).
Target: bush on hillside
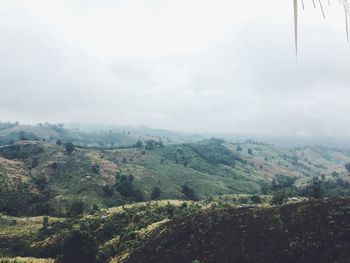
point(279, 197)
point(125, 186)
point(156, 193)
point(347, 167)
point(150, 145)
point(76, 208)
point(78, 246)
point(107, 191)
point(139, 144)
point(189, 192)
point(69, 147)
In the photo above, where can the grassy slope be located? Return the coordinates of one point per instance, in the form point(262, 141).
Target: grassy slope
point(71, 175)
point(17, 232)
point(184, 231)
point(312, 231)
point(25, 260)
point(117, 230)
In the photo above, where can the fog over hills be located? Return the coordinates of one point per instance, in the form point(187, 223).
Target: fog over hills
point(166, 65)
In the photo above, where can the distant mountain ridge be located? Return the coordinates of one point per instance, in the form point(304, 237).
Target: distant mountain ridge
point(34, 173)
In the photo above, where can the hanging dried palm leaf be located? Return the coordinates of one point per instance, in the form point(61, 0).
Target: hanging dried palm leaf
point(345, 4)
point(296, 26)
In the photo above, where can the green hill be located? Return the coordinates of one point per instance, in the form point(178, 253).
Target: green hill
point(43, 178)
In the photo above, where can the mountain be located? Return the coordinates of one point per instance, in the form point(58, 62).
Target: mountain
point(90, 135)
point(43, 178)
point(130, 197)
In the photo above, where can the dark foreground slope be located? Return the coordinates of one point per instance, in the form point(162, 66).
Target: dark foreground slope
point(312, 231)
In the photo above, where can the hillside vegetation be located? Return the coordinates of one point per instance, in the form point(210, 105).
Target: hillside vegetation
point(71, 196)
point(116, 230)
point(215, 230)
point(40, 177)
point(313, 231)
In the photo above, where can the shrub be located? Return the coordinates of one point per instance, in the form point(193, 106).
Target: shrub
point(126, 188)
point(95, 168)
point(279, 198)
point(156, 193)
point(139, 144)
point(69, 147)
point(315, 190)
point(78, 246)
point(189, 192)
point(150, 145)
point(45, 222)
point(256, 199)
point(107, 191)
point(347, 167)
point(76, 208)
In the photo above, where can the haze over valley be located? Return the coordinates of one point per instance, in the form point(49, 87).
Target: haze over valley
point(174, 131)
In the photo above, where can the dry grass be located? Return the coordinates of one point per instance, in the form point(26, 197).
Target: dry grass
point(26, 260)
point(21, 226)
point(160, 203)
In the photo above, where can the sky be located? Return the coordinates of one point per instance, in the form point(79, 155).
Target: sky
point(224, 66)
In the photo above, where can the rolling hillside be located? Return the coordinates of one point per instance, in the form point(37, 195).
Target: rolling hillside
point(43, 178)
point(313, 231)
point(188, 231)
point(210, 198)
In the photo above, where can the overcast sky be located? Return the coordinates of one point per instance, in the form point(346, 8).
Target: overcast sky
point(188, 65)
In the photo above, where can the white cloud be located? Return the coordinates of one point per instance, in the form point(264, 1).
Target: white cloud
point(224, 66)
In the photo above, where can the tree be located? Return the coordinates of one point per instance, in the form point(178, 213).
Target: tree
point(189, 192)
point(95, 168)
point(69, 147)
point(78, 246)
point(255, 199)
point(107, 191)
point(250, 151)
point(45, 222)
point(347, 167)
point(139, 144)
point(315, 190)
point(279, 197)
point(150, 145)
point(76, 208)
point(35, 162)
point(156, 193)
point(126, 188)
point(282, 181)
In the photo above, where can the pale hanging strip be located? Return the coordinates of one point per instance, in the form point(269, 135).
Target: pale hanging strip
point(346, 6)
point(296, 26)
point(346, 9)
point(346, 23)
point(324, 16)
